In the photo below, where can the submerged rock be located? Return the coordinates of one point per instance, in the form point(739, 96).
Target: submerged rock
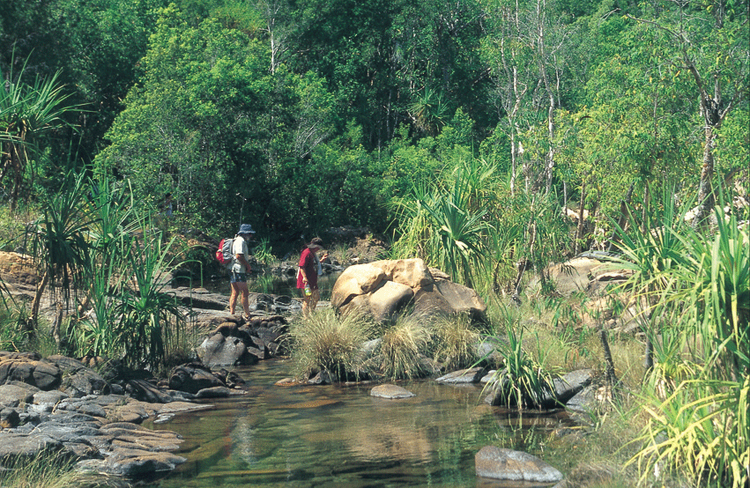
point(391, 392)
point(505, 464)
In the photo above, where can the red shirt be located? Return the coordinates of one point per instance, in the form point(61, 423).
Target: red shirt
point(307, 262)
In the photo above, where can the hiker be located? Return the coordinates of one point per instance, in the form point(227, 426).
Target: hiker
point(240, 269)
point(307, 276)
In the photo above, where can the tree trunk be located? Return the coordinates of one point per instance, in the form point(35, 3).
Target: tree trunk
point(706, 199)
point(579, 230)
point(40, 287)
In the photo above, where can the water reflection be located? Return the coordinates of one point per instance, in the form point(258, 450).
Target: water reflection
point(341, 436)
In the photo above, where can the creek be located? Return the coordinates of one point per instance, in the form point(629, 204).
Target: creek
point(340, 436)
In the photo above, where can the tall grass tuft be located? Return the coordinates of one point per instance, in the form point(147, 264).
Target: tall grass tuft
point(401, 349)
point(51, 470)
point(522, 381)
point(456, 342)
point(326, 342)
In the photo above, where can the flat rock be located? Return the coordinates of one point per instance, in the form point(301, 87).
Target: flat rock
point(506, 464)
point(463, 376)
point(391, 392)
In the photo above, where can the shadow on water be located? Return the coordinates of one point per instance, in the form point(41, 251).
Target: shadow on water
point(340, 436)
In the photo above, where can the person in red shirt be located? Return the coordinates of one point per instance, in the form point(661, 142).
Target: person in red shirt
point(307, 277)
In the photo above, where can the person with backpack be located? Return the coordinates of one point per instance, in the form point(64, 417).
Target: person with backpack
point(240, 268)
point(307, 276)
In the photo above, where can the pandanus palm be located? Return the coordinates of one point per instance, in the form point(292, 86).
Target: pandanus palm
point(26, 112)
point(60, 241)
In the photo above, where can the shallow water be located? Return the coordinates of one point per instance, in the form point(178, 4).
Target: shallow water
point(340, 436)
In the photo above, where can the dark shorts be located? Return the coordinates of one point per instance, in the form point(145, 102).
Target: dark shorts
point(238, 278)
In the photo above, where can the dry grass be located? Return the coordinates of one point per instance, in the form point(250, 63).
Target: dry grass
point(324, 341)
point(456, 340)
point(401, 348)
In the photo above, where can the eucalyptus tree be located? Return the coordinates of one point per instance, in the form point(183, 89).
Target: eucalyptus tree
point(525, 46)
point(710, 43)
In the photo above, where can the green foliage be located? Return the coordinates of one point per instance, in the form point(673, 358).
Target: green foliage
point(521, 381)
point(447, 229)
point(263, 252)
point(27, 112)
point(149, 320)
point(59, 242)
point(325, 342)
point(697, 291)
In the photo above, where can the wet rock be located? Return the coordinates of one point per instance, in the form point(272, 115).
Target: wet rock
point(145, 391)
point(213, 392)
point(391, 392)
point(322, 378)
point(584, 401)
point(193, 377)
point(463, 376)
point(505, 464)
point(566, 387)
point(220, 350)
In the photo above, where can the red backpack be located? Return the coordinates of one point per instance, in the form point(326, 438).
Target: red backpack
point(224, 253)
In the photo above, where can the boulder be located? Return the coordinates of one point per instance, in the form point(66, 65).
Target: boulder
point(409, 272)
point(463, 376)
point(506, 464)
point(566, 387)
point(221, 350)
point(192, 377)
point(357, 280)
point(389, 299)
point(382, 289)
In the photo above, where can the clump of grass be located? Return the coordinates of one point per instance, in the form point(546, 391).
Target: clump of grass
point(400, 352)
point(326, 342)
point(456, 342)
point(523, 381)
point(50, 470)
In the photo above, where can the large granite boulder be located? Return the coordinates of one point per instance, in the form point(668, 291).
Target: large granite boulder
point(383, 289)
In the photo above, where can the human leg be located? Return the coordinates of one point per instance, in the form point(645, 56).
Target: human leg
point(238, 282)
point(314, 299)
point(245, 293)
point(233, 297)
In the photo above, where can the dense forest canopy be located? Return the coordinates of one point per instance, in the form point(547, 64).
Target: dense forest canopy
point(297, 115)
